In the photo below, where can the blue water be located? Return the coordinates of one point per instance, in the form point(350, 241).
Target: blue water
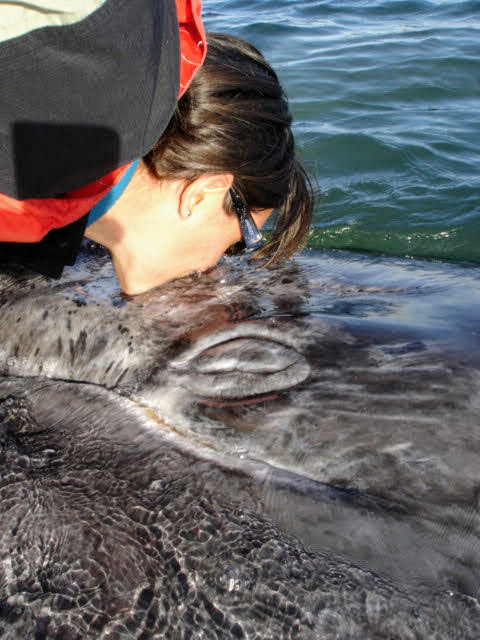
point(386, 99)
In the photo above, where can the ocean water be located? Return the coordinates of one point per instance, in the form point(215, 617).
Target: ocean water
point(386, 100)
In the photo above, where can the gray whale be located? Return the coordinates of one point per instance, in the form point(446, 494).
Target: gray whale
point(292, 453)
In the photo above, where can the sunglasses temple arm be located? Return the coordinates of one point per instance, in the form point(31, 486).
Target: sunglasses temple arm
point(251, 235)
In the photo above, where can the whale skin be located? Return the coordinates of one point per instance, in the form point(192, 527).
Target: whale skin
point(279, 453)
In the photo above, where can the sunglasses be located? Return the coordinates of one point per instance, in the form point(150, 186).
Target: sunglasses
point(252, 238)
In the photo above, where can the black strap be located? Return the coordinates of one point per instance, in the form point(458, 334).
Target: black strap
point(48, 257)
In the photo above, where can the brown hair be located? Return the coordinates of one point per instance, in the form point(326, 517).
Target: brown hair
point(234, 118)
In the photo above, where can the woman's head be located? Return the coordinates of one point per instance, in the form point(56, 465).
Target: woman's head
point(232, 128)
point(234, 119)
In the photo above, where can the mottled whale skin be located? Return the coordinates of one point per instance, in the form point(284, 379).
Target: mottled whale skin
point(284, 453)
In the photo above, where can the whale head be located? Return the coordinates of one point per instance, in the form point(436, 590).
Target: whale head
point(275, 441)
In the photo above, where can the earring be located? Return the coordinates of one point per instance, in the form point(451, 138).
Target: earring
point(188, 213)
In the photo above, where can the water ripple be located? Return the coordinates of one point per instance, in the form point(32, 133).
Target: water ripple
point(385, 95)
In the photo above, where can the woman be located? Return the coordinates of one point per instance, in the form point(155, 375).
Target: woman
point(88, 86)
point(228, 148)
point(231, 129)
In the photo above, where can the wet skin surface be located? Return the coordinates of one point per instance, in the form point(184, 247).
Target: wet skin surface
point(292, 453)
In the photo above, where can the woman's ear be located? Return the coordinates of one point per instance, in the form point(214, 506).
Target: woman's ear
point(207, 192)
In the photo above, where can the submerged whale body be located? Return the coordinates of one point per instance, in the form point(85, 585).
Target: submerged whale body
point(281, 453)
point(113, 533)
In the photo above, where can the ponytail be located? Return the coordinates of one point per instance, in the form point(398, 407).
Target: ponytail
point(293, 222)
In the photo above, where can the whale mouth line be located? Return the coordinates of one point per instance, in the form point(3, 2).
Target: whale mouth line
point(240, 401)
point(216, 341)
point(241, 369)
